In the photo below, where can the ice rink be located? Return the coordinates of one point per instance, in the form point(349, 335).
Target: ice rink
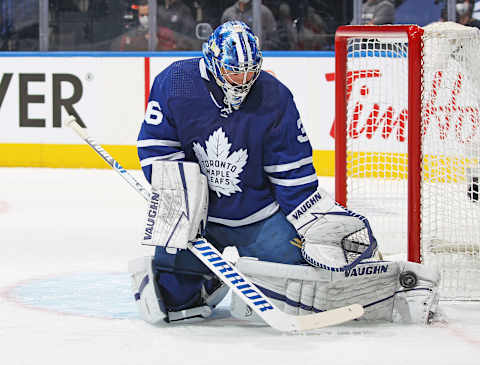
point(66, 237)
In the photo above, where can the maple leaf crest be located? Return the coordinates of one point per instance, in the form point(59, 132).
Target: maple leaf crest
point(221, 168)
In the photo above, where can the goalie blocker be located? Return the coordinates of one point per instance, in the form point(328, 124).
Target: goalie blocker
point(176, 214)
point(402, 292)
point(178, 205)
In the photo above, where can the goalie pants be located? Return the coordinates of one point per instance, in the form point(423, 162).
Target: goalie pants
point(180, 277)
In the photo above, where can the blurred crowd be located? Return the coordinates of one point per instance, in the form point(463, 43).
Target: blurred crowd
point(173, 25)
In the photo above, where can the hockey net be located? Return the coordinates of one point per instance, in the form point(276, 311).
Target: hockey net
point(407, 136)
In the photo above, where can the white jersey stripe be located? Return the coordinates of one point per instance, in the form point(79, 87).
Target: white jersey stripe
point(293, 182)
point(157, 142)
point(288, 166)
point(262, 214)
point(170, 157)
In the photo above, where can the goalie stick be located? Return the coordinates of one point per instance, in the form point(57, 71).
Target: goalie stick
point(226, 272)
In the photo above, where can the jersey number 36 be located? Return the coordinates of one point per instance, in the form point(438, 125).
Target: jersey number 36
point(153, 115)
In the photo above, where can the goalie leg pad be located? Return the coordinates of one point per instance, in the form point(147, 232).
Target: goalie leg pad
point(302, 290)
point(152, 294)
point(147, 296)
point(190, 298)
point(290, 287)
point(417, 295)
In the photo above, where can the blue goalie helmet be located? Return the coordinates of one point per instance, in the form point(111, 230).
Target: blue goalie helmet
point(233, 57)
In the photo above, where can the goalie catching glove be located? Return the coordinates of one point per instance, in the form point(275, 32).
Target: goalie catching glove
point(178, 206)
point(334, 237)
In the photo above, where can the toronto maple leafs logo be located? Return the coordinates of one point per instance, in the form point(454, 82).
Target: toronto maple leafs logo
point(221, 167)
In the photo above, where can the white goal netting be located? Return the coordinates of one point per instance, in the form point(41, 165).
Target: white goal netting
point(449, 135)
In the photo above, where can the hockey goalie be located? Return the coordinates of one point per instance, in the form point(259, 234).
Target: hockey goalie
point(228, 159)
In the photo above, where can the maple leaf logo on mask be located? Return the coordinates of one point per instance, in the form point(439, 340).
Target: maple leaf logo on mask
point(221, 168)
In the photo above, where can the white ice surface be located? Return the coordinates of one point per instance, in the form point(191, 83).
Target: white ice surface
point(65, 239)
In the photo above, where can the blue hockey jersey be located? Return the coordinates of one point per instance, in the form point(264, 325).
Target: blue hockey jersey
point(257, 159)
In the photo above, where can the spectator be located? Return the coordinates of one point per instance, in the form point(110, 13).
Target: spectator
point(210, 11)
point(464, 15)
point(377, 12)
point(286, 31)
point(242, 10)
point(175, 29)
point(476, 10)
point(137, 38)
point(312, 33)
point(177, 16)
point(176, 23)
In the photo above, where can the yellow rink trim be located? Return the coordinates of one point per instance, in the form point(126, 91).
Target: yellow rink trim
point(82, 156)
point(64, 156)
point(360, 164)
point(324, 162)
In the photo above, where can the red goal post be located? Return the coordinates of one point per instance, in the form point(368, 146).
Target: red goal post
point(406, 144)
point(414, 35)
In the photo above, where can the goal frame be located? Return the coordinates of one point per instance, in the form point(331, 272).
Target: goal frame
point(413, 34)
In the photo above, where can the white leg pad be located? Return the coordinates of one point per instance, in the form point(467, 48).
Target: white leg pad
point(146, 293)
point(150, 303)
point(416, 301)
point(302, 290)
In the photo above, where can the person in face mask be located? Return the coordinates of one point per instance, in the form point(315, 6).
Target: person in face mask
point(135, 39)
point(143, 15)
point(465, 15)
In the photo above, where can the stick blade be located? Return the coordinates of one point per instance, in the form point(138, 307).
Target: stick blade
point(329, 318)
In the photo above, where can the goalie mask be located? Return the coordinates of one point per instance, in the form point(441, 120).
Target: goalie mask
point(233, 57)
